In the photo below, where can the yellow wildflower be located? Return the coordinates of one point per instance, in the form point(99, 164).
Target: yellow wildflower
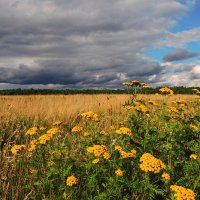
point(166, 176)
point(125, 154)
point(124, 131)
point(144, 85)
point(77, 129)
point(173, 109)
point(97, 150)
point(57, 122)
point(17, 148)
point(193, 156)
point(71, 180)
point(135, 83)
point(166, 90)
point(182, 193)
point(95, 161)
point(150, 163)
point(142, 108)
point(194, 127)
point(106, 155)
point(119, 172)
point(90, 116)
point(32, 131)
point(43, 138)
point(53, 131)
point(118, 148)
point(42, 128)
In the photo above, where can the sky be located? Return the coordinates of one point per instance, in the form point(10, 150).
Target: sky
point(59, 44)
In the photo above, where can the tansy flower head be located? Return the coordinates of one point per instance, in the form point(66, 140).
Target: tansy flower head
point(193, 127)
point(97, 150)
point(166, 91)
point(32, 131)
point(166, 176)
point(182, 193)
point(106, 155)
point(53, 131)
point(90, 116)
point(151, 164)
point(57, 122)
point(173, 109)
point(124, 131)
point(77, 129)
point(119, 172)
point(17, 148)
point(193, 156)
point(42, 128)
point(71, 180)
point(142, 108)
point(95, 161)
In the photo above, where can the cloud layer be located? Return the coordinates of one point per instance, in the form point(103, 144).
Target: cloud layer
point(87, 43)
point(179, 54)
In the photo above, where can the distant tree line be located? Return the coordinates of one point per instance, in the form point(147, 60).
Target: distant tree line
point(177, 90)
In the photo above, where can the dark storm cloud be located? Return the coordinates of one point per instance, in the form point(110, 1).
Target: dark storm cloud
point(179, 54)
point(83, 43)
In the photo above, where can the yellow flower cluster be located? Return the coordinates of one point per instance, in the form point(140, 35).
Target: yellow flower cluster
point(132, 83)
point(95, 161)
point(150, 163)
point(77, 129)
point(166, 176)
point(57, 122)
point(166, 90)
point(173, 109)
point(142, 108)
point(144, 85)
point(124, 131)
point(53, 131)
point(32, 131)
point(106, 156)
point(181, 102)
point(194, 127)
point(17, 148)
point(71, 180)
point(90, 116)
point(42, 128)
point(182, 193)
point(193, 156)
point(125, 154)
point(32, 145)
point(45, 137)
point(119, 172)
point(98, 150)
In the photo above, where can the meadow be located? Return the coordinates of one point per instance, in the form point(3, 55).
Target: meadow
point(100, 147)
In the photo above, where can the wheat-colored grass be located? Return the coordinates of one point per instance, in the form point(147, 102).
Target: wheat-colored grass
point(66, 107)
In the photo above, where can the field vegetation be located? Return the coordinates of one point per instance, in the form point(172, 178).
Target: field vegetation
point(100, 147)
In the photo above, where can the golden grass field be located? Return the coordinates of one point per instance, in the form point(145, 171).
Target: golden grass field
point(66, 107)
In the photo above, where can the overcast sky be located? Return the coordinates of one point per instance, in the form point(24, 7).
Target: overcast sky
point(99, 44)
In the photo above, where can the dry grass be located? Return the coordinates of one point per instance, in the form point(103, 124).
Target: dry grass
point(66, 107)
